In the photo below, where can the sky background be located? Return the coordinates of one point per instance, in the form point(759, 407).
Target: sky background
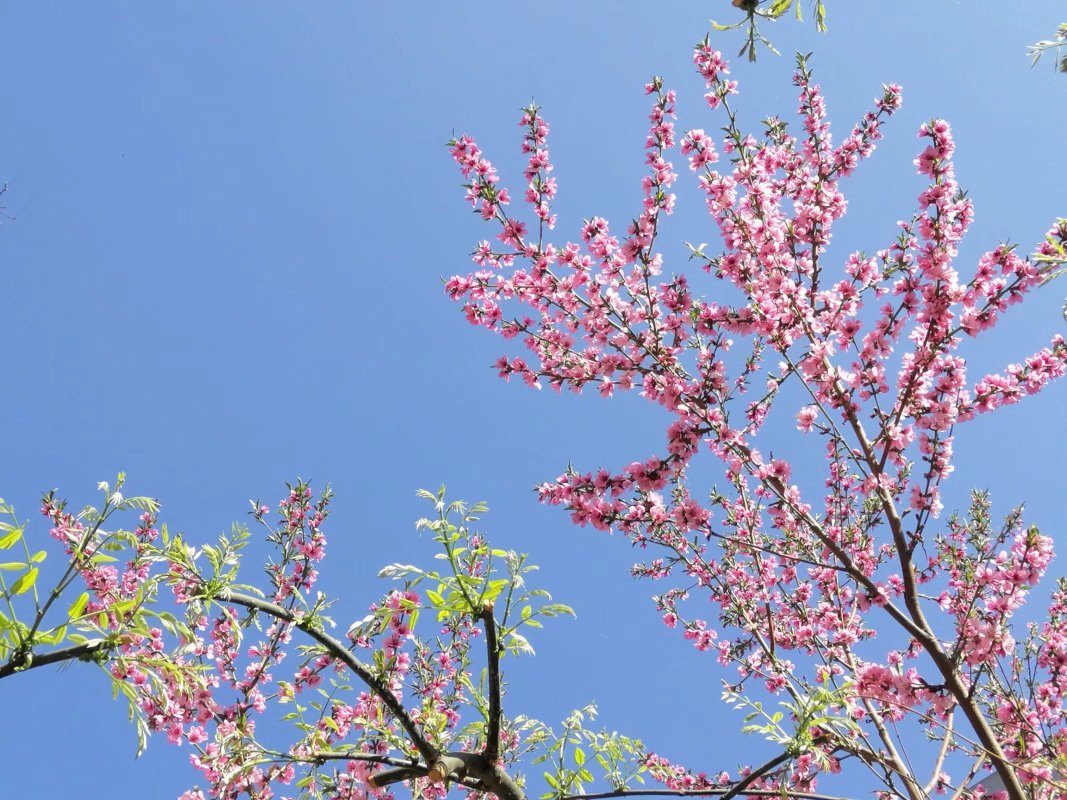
point(231, 225)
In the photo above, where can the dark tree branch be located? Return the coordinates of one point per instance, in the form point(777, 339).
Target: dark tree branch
point(322, 756)
point(492, 646)
point(380, 780)
point(490, 776)
point(699, 793)
point(472, 770)
point(337, 649)
point(755, 775)
point(21, 662)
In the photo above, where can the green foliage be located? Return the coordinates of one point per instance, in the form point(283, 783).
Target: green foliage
point(569, 756)
point(771, 11)
point(478, 576)
point(797, 727)
point(28, 619)
point(33, 627)
point(1038, 49)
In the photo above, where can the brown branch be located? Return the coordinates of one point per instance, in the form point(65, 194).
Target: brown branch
point(322, 756)
point(753, 776)
point(337, 649)
point(926, 637)
point(21, 662)
point(492, 647)
point(386, 777)
point(698, 793)
point(472, 770)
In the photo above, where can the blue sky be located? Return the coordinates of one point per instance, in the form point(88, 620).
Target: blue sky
point(224, 271)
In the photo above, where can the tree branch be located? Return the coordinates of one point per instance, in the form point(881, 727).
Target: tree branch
point(926, 637)
point(380, 780)
point(81, 652)
point(492, 647)
point(698, 793)
point(755, 775)
point(337, 649)
point(472, 770)
point(322, 756)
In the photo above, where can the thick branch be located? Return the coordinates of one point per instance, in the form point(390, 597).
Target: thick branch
point(491, 775)
point(27, 661)
point(322, 756)
point(492, 647)
point(337, 649)
point(386, 777)
point(698, 793)
point(472, 770)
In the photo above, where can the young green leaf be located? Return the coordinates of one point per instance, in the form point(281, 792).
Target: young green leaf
point(25, 582)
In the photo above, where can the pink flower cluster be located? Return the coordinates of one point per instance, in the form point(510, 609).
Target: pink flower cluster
point(84, 546)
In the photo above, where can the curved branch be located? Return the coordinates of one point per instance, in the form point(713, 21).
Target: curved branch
point(472, 770)
point(698, 793)
point(81, 652)
point(322, 756)
point(380, 780)
point(337, 649)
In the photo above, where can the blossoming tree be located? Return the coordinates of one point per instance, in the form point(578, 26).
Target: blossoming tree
point(865, 353)
point(869, 348)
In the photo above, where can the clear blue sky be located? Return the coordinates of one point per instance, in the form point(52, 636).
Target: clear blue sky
point(232, 220)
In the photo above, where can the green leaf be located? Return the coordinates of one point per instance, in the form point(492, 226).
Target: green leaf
point(78, 606)
point(53, 637)
point(143, 503)
point(517, 643)
point(579, 756)
point(397, 571)
point(25, 582)
point(39, 556)
point(7, 540)
point(11, 566)
point(556, 609)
